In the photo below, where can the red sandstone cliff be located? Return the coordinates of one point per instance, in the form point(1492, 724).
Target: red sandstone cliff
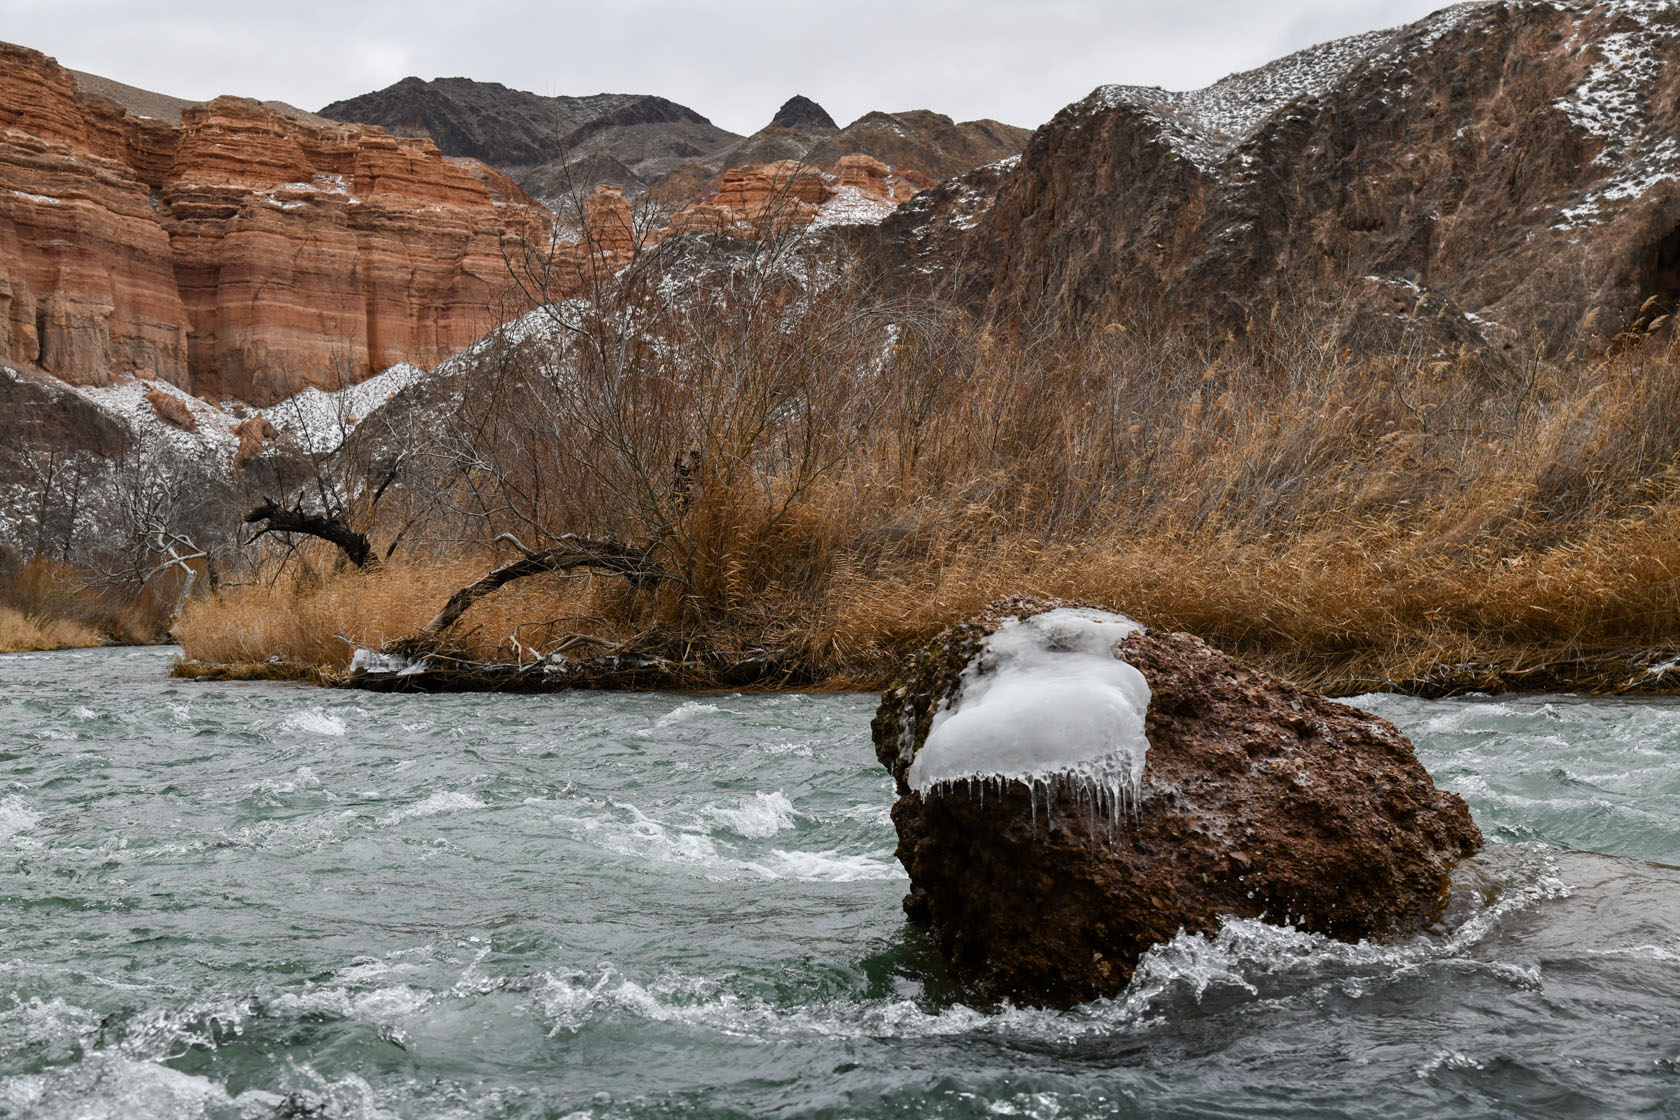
point(243, 253)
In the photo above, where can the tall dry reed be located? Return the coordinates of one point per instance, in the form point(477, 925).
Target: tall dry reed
point(839, 479)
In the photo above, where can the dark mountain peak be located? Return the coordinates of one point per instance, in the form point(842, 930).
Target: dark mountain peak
point(803, 114)
point(636, 137)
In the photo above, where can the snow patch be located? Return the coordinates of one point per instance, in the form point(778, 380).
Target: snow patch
point(373, 661)
point(1634, 179)
point(319, 421)
point(850, 206)
point(1205, 125)
point(1045, 701)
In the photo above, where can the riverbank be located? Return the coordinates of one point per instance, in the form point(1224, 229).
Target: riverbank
point(1433, 525)
point(312, 635)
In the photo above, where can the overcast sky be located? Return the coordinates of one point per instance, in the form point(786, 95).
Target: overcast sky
point(733, 60)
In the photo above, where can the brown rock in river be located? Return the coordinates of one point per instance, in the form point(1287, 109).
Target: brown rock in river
point(1258, 800)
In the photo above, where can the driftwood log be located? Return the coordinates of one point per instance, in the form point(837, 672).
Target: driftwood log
point(570, 553)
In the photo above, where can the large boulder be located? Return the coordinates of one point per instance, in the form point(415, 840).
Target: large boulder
point(1073, 790)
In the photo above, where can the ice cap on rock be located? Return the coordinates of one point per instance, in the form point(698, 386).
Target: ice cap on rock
point(1045, 699)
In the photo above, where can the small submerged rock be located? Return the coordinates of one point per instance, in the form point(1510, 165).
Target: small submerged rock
point(1073, 790)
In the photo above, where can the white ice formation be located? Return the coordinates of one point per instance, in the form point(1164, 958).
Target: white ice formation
point(1046, 702)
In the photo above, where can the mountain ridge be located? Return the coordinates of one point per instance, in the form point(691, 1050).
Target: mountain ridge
point(555, 146)
point(1447, 170)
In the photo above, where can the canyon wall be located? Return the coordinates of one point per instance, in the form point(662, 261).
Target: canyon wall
point(1510, 171)
point(243, 253)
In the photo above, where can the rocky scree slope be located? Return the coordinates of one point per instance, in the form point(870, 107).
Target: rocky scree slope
point(1510, 168)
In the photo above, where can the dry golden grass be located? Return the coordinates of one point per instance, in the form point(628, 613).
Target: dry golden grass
point(20, 633)
point(316, 622)
point(1344, 522)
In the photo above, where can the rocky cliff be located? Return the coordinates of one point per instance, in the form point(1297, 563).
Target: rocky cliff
point(243, 251)
point(1513, 168)
point(559, 148)
point(549, 145)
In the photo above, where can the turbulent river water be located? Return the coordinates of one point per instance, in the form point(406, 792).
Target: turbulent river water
point(237, 900)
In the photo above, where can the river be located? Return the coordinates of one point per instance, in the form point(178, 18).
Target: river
point(266, 900)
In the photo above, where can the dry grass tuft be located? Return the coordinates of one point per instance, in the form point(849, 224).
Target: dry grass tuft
point(20, 633)
point(315, 622)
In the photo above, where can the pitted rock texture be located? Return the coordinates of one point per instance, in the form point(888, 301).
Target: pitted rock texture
point(242, 253)
point(1512, 169)
point(1259, 800)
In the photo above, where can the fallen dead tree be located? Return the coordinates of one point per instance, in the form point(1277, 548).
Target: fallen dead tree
point(387, 672)
point(276, 518)
point(572, 552)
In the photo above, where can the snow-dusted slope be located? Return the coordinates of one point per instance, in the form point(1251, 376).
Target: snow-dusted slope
point(1204, 125)
point(1506, 170)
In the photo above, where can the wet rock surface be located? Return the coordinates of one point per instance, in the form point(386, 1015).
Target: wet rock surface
point(1258, 800)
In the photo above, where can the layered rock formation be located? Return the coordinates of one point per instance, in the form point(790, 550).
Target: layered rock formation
point(243, 252)
point(1514, 165)
point(855, 189)
point(1045, 869)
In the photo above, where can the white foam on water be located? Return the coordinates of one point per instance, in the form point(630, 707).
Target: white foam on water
point(315, 721)
point(626, 830)
point(17, 819)
point(570, 1000)
point(827, 867)
point(45, 1027)
point(1245, 951)
point(302, 778)
point(762, 815)
point(1449, 1059)
point(797, 750)
point(1045, 701)
point(687, 710)
point(448, 801)
point(876, 812)
point(1244, 957)
point(108, 1086)
point(385, 1006)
